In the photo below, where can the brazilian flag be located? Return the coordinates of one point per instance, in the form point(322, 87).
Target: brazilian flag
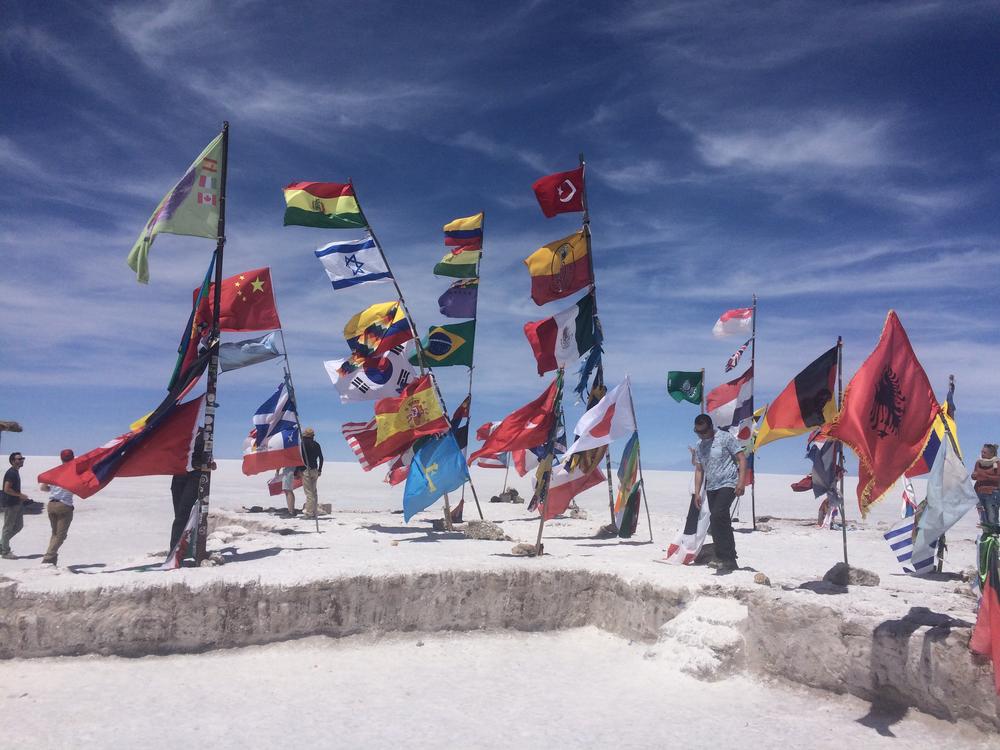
point(449, 345)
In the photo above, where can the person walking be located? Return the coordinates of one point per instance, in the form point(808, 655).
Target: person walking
point(60, 512)
point(313, 455)
point(722, 466)
point(13, 501)
point(986, 475)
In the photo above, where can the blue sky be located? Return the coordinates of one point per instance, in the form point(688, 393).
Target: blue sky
point(838, 159)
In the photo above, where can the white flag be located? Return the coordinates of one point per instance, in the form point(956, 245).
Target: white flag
point(611, 418)
point(379, 377)
point(353, 262)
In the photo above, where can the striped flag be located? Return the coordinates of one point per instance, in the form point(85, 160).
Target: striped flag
point(731, 404)
point(736, 356)
point(900, 539)
point(274, 439)
point(360, 436)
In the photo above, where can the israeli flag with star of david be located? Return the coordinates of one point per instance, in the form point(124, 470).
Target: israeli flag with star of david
point(353, 262)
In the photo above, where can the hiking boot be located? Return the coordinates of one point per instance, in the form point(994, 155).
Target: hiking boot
point(8, 556)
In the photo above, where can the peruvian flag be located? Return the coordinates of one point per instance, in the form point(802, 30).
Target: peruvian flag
point(561, 192)
point(611, 418)
point(565, 485)
point(735, 321)
point(524, 428)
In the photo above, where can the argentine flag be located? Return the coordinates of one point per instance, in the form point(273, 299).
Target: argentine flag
point(353, 262)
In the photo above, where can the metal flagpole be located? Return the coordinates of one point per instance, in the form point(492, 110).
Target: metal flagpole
point(543, 492)
point(291, 396)
point(840, 445)
point(753, 358)
point(211, 389)
point(599, 376)
point(465, 448)
point(506, 472)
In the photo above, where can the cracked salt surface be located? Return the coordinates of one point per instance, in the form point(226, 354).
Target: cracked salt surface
point(579, 688)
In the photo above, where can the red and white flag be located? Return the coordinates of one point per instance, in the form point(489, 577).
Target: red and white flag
point(565, 485)
point(734, 360)
point(360, 436)
point(561, 192)
point(526, 427)
point(609, 419)
point(735, 321)
point(731, 403)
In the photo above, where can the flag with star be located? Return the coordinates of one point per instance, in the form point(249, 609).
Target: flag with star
point(353, 262)
point(247, 302)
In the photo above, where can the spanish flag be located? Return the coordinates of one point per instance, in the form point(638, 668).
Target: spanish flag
point(325, 205)
point(806, 403)
point(559, 268)
point(414, 413)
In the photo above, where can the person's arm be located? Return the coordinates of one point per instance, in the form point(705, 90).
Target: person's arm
point(699, 477)
point(741, 480)
point(319, 459)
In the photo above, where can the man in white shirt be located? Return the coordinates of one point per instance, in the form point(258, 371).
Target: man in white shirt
point(60, 510)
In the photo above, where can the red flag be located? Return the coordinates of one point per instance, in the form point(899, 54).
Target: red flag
point(561, 192)
point(161, 447)
point(527, 427)
point(887, 414)
point(565, 485)
point(360, 436)
point(985, 639)
point(247, 303)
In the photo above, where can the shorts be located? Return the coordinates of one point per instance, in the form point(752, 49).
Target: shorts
point(288, 479)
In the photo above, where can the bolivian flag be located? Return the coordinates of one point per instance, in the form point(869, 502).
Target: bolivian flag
point(806, 403)
point(460, 263)
point(326, 205)
point(414, 413)
point(559, 268)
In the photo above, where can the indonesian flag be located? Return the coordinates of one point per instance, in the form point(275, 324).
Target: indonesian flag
point(524, 428)
point(735, 321)
point(611, 418)
point(567, 484)
point(561, 192)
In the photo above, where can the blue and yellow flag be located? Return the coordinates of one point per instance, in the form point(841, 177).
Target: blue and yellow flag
point(438, 467)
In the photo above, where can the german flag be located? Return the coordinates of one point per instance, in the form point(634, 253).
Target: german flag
point(806, 403)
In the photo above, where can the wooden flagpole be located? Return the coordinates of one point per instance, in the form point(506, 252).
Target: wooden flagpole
point(638, 456)
point(212, 382)
point(543, 494)
point(840, 445)
point(753, 359)
point(599, 376)
point(465, 448)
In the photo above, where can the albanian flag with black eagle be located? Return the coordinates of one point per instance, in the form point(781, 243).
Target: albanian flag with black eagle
point(805, 404)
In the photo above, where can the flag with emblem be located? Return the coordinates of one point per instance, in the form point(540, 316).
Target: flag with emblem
point(459, 263)
point(416, 412)
point(805, 404)
point(559, 269)
point(353, 262)
point(561, 192)
point(460, 300)
point(359, 379)
point(247, 302)
point(449, 345)
point(190, 208)
point(376, 329)
point(610, 419)
point(325, 205)
point(683, 385)
point(562, 339)
point(466, 232)
point(887, 413)
point(274, 439)
point(526, 427)
point(437, 468)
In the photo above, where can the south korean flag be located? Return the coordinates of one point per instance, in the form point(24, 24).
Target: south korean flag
point(374, 378)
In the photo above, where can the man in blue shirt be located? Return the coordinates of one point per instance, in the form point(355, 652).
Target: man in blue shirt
point(722, 466)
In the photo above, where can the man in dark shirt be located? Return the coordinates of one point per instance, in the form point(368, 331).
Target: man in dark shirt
point(184, 488)
point(13, 501)
point(313, 455)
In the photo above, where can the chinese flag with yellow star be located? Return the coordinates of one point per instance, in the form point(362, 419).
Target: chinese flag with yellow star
point(247, 303)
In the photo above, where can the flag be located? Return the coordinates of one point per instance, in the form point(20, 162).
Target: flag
point(493, 462)
point(985, 639)
point(949, 497)
point(685, 386)
point(195, 332)
point(561, 192)
point(805, 403)
point(627, 502)
point(186, 543)
point(274, 438)
point(734, 359)
point(900, 539)
point(437, 468)
point(367, 379)
point(448, 345)
point(949, 400)
point(689, 540)
point(909, 507)
point(190, 208)
point(416, 412)
point(467, 232)
point(937, 436)
point(731, 404)
point(523, 428)
point(887, 413)
point(247, 302)
point(739, 320)
point(824, 475)
point(610, 419)
point(565, 337)
point(353, 262)
point(459, 263)
point(460, 422)
point(360, 437)
point(376, 329)
point(325, 205)
point(559, 268)
point(162, 446)
point(237, 354)
point(566, 484)
point(460, 299)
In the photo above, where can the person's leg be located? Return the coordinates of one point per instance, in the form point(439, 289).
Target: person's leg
point(993, 508)
point(719, 502)
point(309, 479)
point(183, 504)
point(982, 506)
point(53, 513)
point(9, 514)
point(60, 516)
point(290, 500)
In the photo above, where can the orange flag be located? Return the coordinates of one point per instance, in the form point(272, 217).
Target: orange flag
point(887, 414)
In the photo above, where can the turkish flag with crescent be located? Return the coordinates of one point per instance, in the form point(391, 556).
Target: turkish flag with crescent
point(887, 413)
point(561, 192)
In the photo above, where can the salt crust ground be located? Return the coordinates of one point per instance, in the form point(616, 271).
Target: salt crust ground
point(579, 688)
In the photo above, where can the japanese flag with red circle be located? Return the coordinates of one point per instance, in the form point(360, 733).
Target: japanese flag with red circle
point(610, 419)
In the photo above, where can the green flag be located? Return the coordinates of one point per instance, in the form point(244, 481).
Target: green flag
point(685, 386)
point(449, 345)
point(191, 207)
